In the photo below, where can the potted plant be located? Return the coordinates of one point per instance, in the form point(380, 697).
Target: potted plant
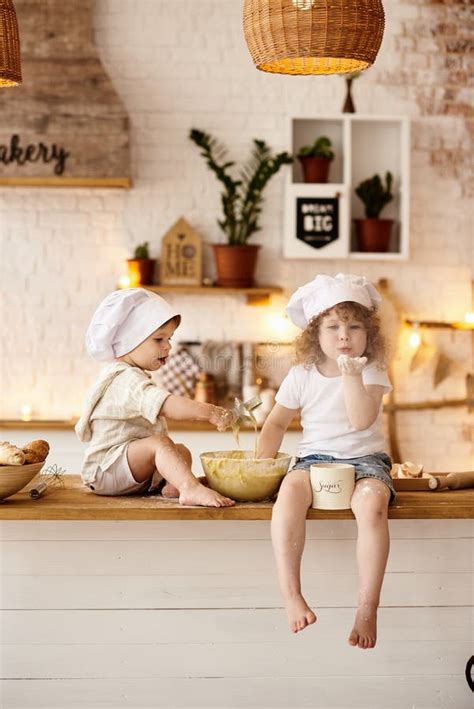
point(242, 202)
point(316, 159)
point(141, 267)
point(373, 233)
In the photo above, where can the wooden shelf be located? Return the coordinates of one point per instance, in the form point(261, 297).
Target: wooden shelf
point(75, 502)
point(47, 424)
point(114, 182)
point(440, 325)
point(259, 295)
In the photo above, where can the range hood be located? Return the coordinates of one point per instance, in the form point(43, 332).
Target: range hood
point(65, 125)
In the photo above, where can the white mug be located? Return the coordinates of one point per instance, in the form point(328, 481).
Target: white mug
point(332, 485)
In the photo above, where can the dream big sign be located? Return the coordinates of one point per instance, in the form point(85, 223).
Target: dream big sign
point(317, 220)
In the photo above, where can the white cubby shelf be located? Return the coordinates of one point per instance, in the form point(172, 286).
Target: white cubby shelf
point(364, 145)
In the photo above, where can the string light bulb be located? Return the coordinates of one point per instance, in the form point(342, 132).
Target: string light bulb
point(26, 412)
point(415, 337)
point(124, 282)
point(280, 327)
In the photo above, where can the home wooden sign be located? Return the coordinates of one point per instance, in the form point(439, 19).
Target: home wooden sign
point(181, 256)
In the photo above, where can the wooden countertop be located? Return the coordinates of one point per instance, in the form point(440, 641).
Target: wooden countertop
point(75, 502)
point(68, 425)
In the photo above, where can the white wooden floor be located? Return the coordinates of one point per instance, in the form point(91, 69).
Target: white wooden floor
point(187, 614)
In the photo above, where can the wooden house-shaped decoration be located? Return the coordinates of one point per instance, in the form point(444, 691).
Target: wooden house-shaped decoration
point(181, 256)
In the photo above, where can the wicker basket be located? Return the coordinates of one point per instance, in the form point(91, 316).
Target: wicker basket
point(313, 37)
point(10, 67)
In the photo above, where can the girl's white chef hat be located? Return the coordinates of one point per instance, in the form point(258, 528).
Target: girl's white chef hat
point(325, 291)
point(123, 320)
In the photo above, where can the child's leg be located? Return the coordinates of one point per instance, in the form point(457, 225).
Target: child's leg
point(288, 536)
point(370, 506)
point(168, 490)
point(159, 451)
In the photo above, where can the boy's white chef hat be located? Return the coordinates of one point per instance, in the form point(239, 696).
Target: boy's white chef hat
point(123, 320)
point(325, 291)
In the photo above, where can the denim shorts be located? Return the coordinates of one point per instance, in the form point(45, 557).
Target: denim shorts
point(376, 465)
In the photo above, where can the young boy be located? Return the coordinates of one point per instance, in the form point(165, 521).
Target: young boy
point(124, 418)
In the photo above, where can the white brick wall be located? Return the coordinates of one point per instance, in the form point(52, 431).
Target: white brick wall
point(181, 64)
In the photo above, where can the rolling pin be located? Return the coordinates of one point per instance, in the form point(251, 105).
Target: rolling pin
point(453, 481)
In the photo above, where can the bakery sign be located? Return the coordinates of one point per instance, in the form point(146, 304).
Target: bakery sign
point(14, 151)
point(317, 220)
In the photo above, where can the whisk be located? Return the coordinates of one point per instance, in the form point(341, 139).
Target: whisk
point(242, 411)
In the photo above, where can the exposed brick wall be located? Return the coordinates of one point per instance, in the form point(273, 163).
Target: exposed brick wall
point(184, 63)
point(434, 45)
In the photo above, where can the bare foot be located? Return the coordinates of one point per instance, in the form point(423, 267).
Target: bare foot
point(299, 613)
point(197, 494)
point(168, 490)
point(364, 632)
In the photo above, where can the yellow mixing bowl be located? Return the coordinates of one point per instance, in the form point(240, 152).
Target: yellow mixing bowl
point(238, 475)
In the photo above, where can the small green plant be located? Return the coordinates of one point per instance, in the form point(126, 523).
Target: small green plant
point(374, 195)
point(141, 251)
point(321, 148)
point(242, 198)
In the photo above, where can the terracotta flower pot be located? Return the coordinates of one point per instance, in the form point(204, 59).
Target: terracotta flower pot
point(141, 271)
point(373, 234)
point(315, 169)
point(235, 265)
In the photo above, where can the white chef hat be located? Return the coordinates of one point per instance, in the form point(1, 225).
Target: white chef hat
point(123, 320)
point(325, 291)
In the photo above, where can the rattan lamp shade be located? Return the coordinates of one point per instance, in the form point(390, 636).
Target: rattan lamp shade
point(313, 36)
point(10, 66)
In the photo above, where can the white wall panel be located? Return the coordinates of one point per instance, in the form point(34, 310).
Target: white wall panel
point(188, 614)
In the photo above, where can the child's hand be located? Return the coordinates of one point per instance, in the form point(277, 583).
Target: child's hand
point(220, 418)
point(351, 365)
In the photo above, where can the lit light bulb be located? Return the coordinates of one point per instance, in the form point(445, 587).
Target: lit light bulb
point(466, 324)
point(26, 412)
point(280, 325)
point(124, 282)
point(415, 337)
point(303, 4)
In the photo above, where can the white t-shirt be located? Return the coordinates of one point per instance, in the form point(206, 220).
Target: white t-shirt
point(326, 425)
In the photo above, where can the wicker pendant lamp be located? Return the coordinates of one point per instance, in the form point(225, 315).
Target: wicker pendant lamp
point(313, 36)
point(10, 66)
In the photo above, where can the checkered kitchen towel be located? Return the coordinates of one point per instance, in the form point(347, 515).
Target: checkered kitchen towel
point(178, 375)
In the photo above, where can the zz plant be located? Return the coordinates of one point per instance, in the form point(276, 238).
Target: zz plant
point(241, 198)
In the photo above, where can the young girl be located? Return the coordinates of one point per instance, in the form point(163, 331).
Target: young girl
point(337, 386)
point(123, 419)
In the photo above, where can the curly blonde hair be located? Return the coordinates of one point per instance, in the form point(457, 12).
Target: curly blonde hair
point(308, 349)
